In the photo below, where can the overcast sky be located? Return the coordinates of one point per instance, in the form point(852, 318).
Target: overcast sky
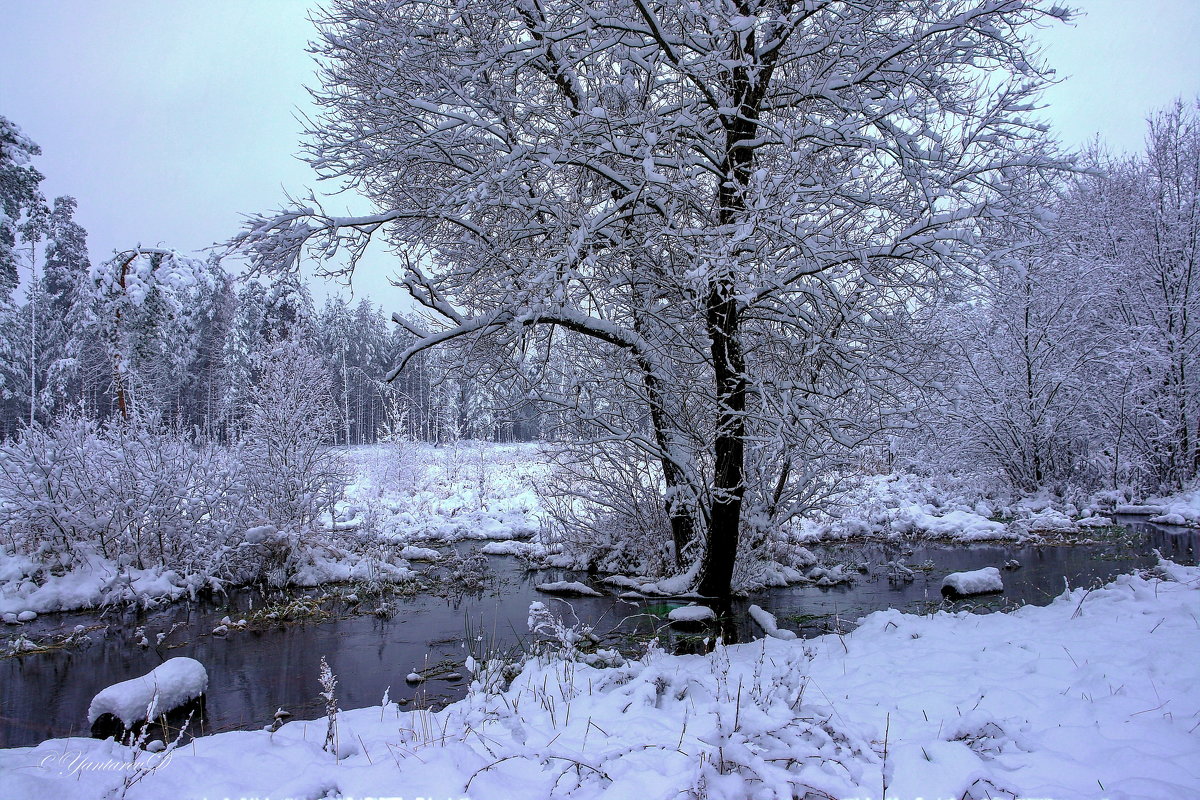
point(168, 118)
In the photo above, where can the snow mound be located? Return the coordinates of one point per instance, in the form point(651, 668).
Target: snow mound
point(174, 682)
point(568, 587)
point(978, 581)
point(691, 614)
point(766, 620)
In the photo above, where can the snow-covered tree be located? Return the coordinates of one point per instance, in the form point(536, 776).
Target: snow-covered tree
point(147, 307)
point(681, 184)
point(1140, 217)
point(20, 198)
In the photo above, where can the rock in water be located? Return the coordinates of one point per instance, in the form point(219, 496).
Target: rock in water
point(979, 581)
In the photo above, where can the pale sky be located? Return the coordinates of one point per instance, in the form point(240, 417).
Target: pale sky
point(169, 118)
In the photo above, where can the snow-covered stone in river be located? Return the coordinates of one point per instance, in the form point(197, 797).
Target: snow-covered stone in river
point(174, 682)
point(691, 614)
point(414, 677)
point(568, 587)
point(27, 616)
point(766, 620)
point(978, 581)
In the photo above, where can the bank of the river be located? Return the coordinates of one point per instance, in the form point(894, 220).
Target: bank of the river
point(273, 664)
point(1095, 695)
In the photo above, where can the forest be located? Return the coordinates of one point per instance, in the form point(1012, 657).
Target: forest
point(1048, 343)
point(777, 409)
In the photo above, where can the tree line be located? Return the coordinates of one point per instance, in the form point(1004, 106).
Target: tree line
point(158, 335)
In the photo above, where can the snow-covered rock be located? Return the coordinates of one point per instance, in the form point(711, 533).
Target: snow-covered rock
point(977, 581)
point(174, 682)
point(692, 614)
point(568, 588)
point(766, 620)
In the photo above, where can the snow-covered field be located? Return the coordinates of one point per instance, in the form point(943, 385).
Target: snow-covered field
point(1094, 696)
point(411, 491)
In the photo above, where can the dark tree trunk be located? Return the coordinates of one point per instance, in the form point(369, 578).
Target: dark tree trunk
point(716, 574)
point(723, 319)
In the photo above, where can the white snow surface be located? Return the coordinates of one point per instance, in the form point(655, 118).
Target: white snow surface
point(1176, 509)
point(462, 490)
point(976, 581)
point(691, 614)
point(766, 620)
point(1098, 689)
point(173, 682)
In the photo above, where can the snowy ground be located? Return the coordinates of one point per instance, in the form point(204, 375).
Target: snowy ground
point(412, 491)
point(1094, 696)
point(905, 506)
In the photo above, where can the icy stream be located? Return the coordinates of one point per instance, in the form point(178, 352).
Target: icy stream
point(252, 673)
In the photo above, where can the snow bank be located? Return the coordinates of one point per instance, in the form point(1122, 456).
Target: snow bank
point(1096, 690)
point(976, 581)
point(766, 620)
point(902, 505)
point(1180, 509)
point(174, 682)
point(26, 586)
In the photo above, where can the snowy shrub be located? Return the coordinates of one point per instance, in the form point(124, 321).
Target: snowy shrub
point(606, 510)
point(123, 491)
point(292, 474)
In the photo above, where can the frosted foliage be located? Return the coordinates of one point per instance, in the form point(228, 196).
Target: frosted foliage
point(745, 210)
point(292, 473)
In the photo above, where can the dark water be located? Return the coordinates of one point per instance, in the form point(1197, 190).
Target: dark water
point(252, 673)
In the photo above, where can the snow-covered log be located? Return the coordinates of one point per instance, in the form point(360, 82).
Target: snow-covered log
point(174, 683)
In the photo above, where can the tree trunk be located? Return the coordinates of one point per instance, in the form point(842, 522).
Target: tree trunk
point(723, 320)
point(716, 576)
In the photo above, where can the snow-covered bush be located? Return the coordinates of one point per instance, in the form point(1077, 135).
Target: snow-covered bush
point(127, 492)
point(606, 510)
point(291, 473)
point(145, 511)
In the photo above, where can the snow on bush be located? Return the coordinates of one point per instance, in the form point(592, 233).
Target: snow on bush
point(168, 686)
point(132, 512)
